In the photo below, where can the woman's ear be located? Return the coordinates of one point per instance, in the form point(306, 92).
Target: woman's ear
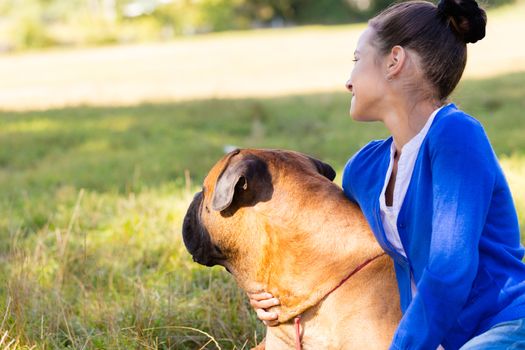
point(395, 62)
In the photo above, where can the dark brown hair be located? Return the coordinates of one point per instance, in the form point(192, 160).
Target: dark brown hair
point(438, 34)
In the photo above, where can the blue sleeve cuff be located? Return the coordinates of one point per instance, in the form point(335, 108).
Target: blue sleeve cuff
point(431, 313)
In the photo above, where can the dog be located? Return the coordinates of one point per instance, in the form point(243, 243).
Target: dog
point(276, 221)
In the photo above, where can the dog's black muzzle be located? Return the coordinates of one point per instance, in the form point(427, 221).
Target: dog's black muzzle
point(197, 239)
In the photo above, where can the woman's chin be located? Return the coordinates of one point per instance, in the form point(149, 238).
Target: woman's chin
point(355, 115)
point(351, 111)
point(355, 112)
point(360, 118)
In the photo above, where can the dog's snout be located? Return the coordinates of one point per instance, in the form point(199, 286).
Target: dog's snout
point(196, 238)
point(191, 222)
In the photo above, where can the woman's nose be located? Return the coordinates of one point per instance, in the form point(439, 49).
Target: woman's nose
point(349, 85)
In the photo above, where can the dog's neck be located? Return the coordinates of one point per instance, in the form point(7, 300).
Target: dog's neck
point(319, 258)
point(301, 254)
point(362, 314)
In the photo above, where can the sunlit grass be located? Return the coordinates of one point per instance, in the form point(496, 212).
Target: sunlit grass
point(110, 272)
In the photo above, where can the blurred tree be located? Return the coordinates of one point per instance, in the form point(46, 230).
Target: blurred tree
point(41, 23)
point(27, 28)
point(194, 16)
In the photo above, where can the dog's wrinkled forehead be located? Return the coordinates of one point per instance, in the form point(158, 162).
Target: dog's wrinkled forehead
point(303, 162)
point(291, 160)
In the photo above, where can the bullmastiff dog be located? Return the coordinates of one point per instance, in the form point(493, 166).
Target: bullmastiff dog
point(276, 221)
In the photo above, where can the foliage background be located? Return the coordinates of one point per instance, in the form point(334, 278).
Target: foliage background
point(30, 24)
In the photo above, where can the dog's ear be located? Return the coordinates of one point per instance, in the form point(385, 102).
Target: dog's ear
point(323, 168)
point(244, 178)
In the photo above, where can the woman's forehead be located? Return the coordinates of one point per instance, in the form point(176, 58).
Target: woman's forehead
point(364, 40)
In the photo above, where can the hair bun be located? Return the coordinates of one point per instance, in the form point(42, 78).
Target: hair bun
point(467, 19)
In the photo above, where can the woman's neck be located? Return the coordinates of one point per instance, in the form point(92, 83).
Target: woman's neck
point(405, 120)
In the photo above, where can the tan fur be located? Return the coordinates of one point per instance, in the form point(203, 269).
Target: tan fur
point(298, 246)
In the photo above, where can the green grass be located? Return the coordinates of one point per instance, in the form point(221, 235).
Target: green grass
point(93, 200)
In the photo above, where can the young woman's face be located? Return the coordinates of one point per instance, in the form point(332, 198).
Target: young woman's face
point(367, 81)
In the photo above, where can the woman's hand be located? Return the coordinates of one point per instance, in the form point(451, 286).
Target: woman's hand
point(262, 301)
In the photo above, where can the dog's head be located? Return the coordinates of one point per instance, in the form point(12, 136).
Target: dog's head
point(264, 215)
point(216, 223)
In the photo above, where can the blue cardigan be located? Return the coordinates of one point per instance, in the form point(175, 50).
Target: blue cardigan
point(460, 231)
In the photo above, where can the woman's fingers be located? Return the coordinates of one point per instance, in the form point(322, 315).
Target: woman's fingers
point(264, 304)
point(265, 315)
point(262, 301)
point(259, 296)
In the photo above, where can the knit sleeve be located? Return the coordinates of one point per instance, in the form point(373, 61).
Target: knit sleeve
point(359, 163)
point(463, 168)
point(346, 182)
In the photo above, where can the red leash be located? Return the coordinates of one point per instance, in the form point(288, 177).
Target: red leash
point(297, 320)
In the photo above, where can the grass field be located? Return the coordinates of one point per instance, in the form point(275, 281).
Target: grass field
point(93, 198)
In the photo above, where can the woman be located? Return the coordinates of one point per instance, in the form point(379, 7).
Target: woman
point(433, 193)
